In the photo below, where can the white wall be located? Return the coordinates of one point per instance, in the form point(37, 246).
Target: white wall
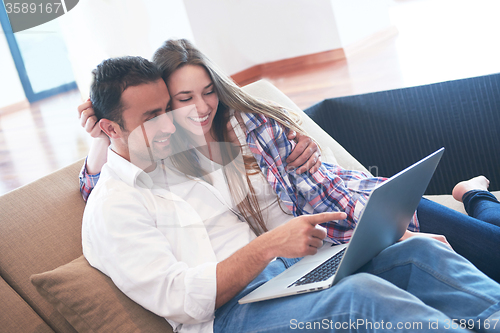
point(235, 34)
point(96, 30)
point(169, 19)
point(11, 90)
point(84, 50)
point(358, 19)
point(240, 34)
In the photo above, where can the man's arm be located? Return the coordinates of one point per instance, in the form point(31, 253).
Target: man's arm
point(297, 238)
point(123, 238)
point(140, 249)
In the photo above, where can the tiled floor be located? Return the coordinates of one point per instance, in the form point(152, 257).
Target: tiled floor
point(438, 40)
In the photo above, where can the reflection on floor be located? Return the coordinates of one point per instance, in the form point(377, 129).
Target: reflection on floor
point(438, 40)
point(40, 139)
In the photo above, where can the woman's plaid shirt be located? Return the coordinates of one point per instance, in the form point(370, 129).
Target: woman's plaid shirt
point(331, 188)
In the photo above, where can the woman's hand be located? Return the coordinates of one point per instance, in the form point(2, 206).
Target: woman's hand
point(305, 156)
point(98, 153)
point(441, 238)
point(88, 120)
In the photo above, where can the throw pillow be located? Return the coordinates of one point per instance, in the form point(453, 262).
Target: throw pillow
point(91, 302)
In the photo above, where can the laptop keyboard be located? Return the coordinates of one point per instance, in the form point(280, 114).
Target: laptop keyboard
point(322, 272)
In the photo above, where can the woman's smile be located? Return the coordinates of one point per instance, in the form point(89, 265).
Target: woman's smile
point(201, 120)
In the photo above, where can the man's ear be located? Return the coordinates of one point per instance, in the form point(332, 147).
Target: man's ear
point(112, 129)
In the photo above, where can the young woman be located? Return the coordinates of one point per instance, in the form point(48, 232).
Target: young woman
point(205, 101)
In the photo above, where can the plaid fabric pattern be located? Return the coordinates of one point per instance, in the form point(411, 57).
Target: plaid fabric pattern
point(331, 188)
point(87, 182)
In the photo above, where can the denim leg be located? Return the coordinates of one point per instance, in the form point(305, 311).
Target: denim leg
point(441, 279)
point(359, 303)
point(476, 240)
point(483, 206)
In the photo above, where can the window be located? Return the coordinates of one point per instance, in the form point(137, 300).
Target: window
point(40, 57)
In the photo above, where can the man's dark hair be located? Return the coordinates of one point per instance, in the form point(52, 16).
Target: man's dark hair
point(112, 77)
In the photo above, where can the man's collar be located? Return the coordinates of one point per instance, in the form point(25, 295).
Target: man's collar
point(131, 174)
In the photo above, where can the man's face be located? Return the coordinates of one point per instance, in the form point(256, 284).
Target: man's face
point(148, 124)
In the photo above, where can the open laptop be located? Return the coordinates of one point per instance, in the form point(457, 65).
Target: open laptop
point(383, 222)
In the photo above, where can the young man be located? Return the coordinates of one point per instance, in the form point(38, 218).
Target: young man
point(151, 229)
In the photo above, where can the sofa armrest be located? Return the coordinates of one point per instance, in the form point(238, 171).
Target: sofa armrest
point(40, 229)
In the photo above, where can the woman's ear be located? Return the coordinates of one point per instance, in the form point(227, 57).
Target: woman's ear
point(112, 129)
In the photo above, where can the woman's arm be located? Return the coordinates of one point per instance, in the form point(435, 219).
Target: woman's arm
point(99, 149)
point(305, 155)
point(98, 152)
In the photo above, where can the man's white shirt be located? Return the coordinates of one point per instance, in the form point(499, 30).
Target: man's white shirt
point(159, 236)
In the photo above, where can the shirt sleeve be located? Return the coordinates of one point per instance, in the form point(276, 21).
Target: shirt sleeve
point(122, 238)
point(87, 182)
point(331, 188)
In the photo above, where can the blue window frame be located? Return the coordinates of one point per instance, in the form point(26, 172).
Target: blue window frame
point(31, 95)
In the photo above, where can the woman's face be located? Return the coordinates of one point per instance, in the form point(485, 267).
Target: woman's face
point(193, 99)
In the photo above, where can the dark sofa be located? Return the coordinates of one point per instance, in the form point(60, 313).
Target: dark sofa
point(389, 130)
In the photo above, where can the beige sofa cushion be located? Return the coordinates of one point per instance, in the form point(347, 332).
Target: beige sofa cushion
point(16, 315)
point(40, 229)
point(92, 303)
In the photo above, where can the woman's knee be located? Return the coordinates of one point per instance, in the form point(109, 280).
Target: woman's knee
point(422, 243)
point(416, 248)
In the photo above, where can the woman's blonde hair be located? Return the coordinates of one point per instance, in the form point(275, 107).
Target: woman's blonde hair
point(174, 54)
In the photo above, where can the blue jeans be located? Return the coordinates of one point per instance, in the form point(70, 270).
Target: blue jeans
point(415, 285)
point(483, 206)
point(476, 237)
